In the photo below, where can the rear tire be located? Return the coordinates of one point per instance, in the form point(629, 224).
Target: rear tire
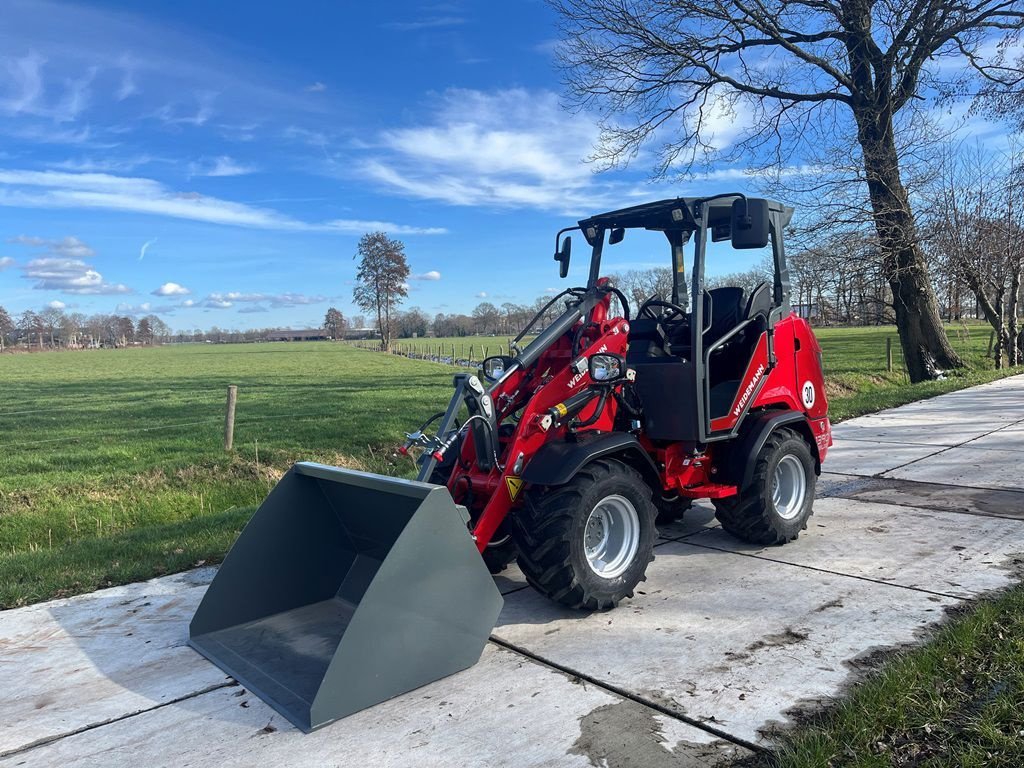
point(587, 544)
point(776, 505)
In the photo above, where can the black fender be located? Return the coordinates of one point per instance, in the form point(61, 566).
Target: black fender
point(556, 463)
point(757, 428)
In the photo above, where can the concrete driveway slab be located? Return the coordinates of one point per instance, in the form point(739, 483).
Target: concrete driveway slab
point(1007, 439)
point(505, 711)
point(941, 552)
point(938, 435)
point(863, 457)
point(70, 664)
point(968, 466)
point(730, 641)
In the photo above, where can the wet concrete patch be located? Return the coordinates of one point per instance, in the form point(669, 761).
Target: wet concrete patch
point(943, 497)
point(627, 735)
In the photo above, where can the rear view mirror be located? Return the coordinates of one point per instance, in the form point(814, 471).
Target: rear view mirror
point(494, 367)
point(616, 236)
point(562, 257)
point(749, 223)
point(606, 367)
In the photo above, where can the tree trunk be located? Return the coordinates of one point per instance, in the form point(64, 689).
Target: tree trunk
point(1013, 349)
point(926, 349)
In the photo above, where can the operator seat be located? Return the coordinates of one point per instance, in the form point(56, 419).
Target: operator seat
point(729, 362)
point(727, 311)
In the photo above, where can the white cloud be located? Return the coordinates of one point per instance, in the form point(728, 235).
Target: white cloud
point(145, 247)
point(316, 87)
point(222, 166)
point(25, 84)
point(56, 189)
point(69, 276)
point(61, 268)
point(68, 247)
point(188, 303)
point(361, 226)
point(275, 300)
point(102, 164)
point(433, 22)
point(171, 289)
point(6, 262)
point(146, 308)
point(511, 148)
point(26, 91)
point(431, 275)
point(482, 295)
point(56, 304)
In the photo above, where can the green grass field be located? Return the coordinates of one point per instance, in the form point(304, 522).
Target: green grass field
point(111, 461)
point(112, 465)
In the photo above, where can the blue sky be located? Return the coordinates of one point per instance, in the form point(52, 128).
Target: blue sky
point(217, 166)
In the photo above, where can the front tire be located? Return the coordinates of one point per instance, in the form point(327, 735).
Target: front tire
point(776, 505)
point(587, 544)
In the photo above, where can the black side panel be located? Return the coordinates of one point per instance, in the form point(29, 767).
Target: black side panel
point(755, 432)
point(666, 388)
point(557, 462)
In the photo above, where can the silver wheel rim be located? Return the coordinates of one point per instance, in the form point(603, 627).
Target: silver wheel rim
point(789, 487)
point(611, 536)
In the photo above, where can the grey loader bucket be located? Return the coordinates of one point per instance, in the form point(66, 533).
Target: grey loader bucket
point(346, 589)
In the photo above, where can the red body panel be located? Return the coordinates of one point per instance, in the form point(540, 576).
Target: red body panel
point(783, 374)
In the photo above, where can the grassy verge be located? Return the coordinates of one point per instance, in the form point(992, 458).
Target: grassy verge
point(956, 701)
point(94, 562)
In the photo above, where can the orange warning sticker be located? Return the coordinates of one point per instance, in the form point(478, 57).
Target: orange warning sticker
point(515, 485)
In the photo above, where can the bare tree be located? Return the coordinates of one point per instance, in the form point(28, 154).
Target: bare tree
point(786, 73)
point(6, 326)
point(977, 221)
point(31, 327)
point(71, 328)
point(382, 275)
point(334, 323)
point(144, 331)
point(486, 317)
point(53, 320)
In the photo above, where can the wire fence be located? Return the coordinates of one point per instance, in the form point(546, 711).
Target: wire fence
point(459, 355)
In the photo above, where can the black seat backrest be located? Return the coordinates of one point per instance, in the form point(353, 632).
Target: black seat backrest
point(759, 302)
point(726, 312)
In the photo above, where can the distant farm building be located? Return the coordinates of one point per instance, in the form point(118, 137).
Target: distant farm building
point(286, 334)
point(361, 333)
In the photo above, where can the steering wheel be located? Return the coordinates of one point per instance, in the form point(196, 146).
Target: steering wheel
point(671, 313)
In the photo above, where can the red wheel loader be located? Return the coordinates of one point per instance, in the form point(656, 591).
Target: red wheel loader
point(348, 588)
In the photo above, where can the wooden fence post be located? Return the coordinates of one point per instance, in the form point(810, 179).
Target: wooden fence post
point(888, 353)
point(229, 419)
